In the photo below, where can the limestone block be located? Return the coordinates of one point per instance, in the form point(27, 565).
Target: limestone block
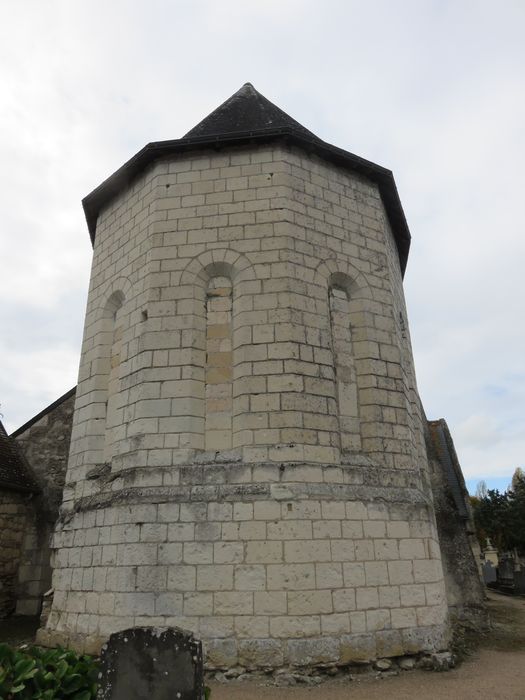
point(309, 602)
point(289, 530)
point(435, 593)
point(264, 552)
point(182, 578)
point(266, 510)
point(427, 571)
point(367, 598)
point(180, 532)
point(136, 603)
point(403, 617)
point(250, 626)
point(242, 511)
point(352, 529)
point(354, 574)
point(208, 532)
point(412, 595)
point(398, 529)
point(270, 603)
point(233, 603)
point(198, 604)
point(431, 615)
point(326, 529)
point(386, 549)
point(198, 553)
point(169, 604)
point(150, 578)
point(220, 653)
point(216, 577)
point(329, 575)
point(252, 530)
point(400, 572)
point(228, 552)
point(306, 652)
point(389, 597)
point(374, 528)
point(250, 577)
point(308, 551)
point(344, 600)
point(364, 550)
point(170, 553)
point(343, 550)
point(412, 549)
point(290, 577)
point(260, 653)
point(376, 573)
point(295, 627)
point(389, 643)
point(357, 648)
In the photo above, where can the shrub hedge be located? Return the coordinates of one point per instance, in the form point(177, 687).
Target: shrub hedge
point(33, 673)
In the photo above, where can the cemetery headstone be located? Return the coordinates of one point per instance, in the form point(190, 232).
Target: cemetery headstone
point(152, 663)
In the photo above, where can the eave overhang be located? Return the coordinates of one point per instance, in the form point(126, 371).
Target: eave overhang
point(94, 202)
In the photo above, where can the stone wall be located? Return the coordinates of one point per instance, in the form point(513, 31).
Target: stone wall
point(44, 442)
point(457, 538)
point(244, 462)
point(15, 510)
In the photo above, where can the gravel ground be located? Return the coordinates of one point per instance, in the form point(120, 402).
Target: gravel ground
point(494, 671)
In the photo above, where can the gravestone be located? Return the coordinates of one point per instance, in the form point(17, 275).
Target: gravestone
point(152, 663)
point(489, 573)
point(519, 582)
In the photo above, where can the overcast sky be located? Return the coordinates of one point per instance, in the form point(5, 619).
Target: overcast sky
point(433, 90)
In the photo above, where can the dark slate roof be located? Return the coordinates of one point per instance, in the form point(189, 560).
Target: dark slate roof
point(246, 110)
point(446, 453)
point(42, 413)
point(247, 117)
point(14, 473)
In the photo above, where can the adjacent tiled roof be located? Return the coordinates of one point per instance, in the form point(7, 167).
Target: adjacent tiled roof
point(446, 453)
point(14, 473)
point(247, 117)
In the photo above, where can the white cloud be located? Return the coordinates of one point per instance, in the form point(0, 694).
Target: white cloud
point(431, 90)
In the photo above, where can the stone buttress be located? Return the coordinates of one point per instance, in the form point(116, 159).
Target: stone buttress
point(247, 458)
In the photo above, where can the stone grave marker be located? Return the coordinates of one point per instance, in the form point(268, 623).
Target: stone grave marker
point(152, 663)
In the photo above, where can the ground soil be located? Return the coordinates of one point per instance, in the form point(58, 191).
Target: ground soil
point(495, 670)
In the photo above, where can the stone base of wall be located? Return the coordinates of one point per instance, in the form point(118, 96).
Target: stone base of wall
point(254, 654)
point(269, 565)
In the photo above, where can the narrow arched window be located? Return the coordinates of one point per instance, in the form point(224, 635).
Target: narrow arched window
point(113, 349)
point(218, 394)
point(344, 369)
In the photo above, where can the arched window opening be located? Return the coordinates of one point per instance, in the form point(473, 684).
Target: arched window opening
point(114, 333)
point(219, 387)
point(344, 369)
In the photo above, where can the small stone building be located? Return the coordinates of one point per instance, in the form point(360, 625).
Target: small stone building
point(17, 493)
point(248, 455)
point(44, 442)
point(32, 471)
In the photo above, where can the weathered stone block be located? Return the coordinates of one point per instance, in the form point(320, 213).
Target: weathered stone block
point(261, 653)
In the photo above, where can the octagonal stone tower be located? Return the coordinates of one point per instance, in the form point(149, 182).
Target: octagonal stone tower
point(247, 458)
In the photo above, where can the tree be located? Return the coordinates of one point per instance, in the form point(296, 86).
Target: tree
point(501, 516)
point(481, 489)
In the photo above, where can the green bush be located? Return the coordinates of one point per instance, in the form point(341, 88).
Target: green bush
point(46, 674)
